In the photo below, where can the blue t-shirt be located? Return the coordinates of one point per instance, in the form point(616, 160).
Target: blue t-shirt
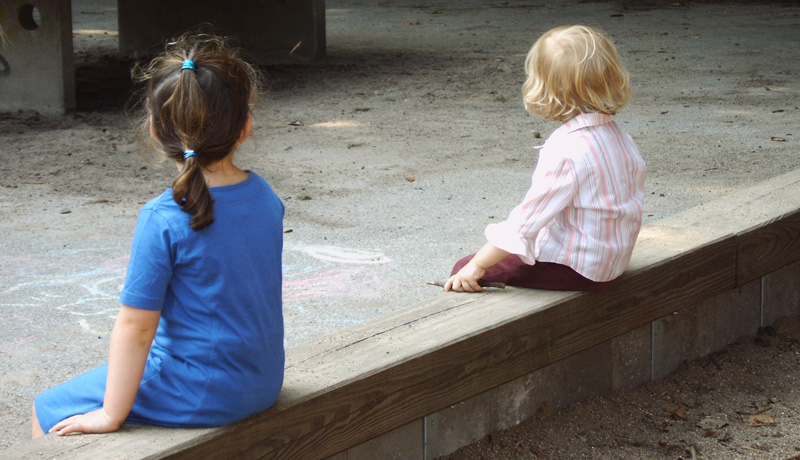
point(218, 353)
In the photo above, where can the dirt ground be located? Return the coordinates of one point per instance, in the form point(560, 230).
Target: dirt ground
point(742, 402)
point(391, 156)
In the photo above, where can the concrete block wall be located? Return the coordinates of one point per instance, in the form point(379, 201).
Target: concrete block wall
point(650, 352)
point(36, 70)
point(780, 294)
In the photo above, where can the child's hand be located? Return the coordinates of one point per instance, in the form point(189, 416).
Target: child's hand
point(93, 422)
point(466, 279)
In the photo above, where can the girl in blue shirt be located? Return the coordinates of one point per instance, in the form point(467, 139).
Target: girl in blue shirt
point(198, 340)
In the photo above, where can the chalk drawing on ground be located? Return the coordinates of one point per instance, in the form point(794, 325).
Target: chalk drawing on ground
point(327, 287)
point(81, 283)
point(329, 271)
point(338, 282)
point(340, 255)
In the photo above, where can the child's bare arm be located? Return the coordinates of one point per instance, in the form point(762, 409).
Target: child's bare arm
point(130, 343)
point(467, 278)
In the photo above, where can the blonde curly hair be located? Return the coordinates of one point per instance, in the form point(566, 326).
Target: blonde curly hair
point(573, 70)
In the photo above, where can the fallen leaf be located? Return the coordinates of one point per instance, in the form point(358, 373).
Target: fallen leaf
point(410, 179)
point(661, 427)
point(709, 423)
point(761, 419)
point(678, 411)
point(777, 139)
point(415, 22)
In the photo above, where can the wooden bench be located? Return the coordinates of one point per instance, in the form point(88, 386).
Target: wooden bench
point(437, 375)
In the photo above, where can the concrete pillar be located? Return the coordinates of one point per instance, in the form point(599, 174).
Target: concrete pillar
point(36, 71)
point(269, 31)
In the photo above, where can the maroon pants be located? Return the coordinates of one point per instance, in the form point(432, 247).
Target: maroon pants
point(543, 275)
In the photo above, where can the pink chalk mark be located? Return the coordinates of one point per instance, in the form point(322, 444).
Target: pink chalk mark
point(23, 319)
point(18, 342)
point(117, 263)
point(333, 283)
point(327, 283)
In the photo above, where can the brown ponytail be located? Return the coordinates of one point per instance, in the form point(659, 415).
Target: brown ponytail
point(189, 189)
point(203, 107)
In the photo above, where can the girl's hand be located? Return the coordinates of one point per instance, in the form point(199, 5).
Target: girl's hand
point(466, 279)
point(93, 422)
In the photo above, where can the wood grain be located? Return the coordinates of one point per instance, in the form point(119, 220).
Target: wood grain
point(344, 390)
point(768, 247)
point(465, 364)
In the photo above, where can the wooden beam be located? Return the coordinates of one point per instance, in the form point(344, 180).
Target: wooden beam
point(768, 247)
point(340, 392)
point(438, 353)
point(481, 345)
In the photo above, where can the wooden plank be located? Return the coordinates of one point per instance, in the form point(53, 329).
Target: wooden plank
point(743, 210)
point(501, 354)
point(768, 247)
point(130, 442)
point(405, 391)
point(453, 349)
point(321, 347)
point(359, 391)
point(340, 394)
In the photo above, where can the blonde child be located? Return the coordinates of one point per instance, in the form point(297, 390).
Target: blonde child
point(577, 225)
point(198, 340)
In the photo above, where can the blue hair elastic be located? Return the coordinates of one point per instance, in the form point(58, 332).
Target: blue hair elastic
point(188, 154)
point(188, 64)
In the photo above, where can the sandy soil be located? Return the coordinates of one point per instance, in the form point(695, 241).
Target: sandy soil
point(742, 402)
point(391, 156)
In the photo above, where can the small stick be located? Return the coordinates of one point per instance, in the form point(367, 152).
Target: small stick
point(481, 283)
point(295, 47)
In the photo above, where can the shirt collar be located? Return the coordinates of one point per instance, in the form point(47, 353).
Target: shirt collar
point(585, 120)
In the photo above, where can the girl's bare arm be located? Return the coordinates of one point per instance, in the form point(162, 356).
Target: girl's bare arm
point(130, 344)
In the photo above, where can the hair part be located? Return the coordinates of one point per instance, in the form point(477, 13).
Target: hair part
point(573, 70)
point(203, 109)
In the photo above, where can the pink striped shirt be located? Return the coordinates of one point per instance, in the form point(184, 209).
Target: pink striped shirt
point(584, 207)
